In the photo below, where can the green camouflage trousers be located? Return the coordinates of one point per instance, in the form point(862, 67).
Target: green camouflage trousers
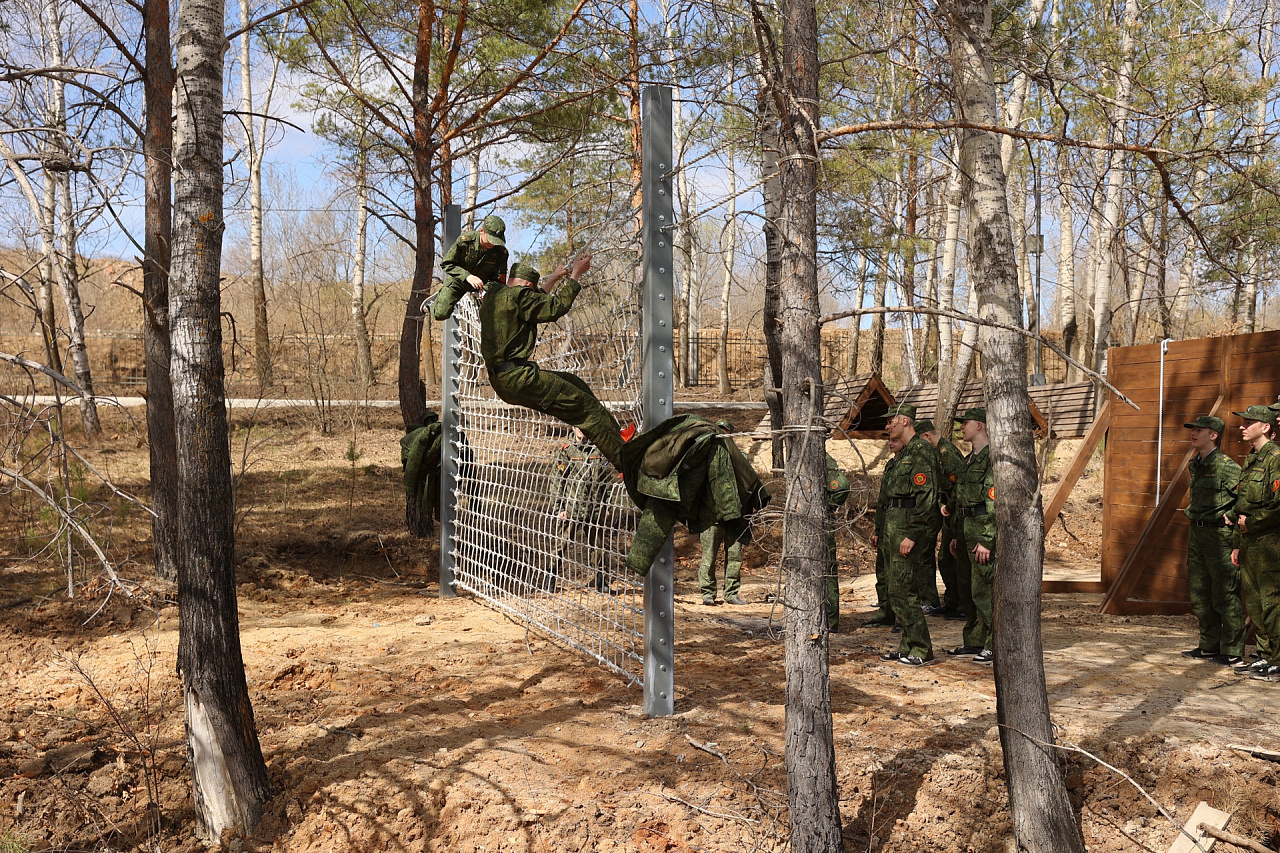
point(904, 596)
point(884, 610)
point(947, 567)
point(977, 627)
point(712, 539)
point(562, 395)
point(1214, 584)
point(960, 587)
point(927, 569)
point(1260, 578)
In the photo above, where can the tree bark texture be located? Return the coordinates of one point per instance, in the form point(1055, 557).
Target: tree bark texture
point(253, 158)
point(772, 197)
point(812, 792)
point(1043, 820)
point(359, 318)
point(157, 248)
point(230, 777)
point(728, 242)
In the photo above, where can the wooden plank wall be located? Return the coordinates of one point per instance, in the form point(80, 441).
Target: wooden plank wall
point(1069, 408)
point(1245, 369)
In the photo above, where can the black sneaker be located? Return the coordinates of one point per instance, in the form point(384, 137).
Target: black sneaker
point(709, 600)
point(1250, 667)
point(733, 599)
point(1199, 654)
point(876, 623)
point(934, 610)
point(896, 629)
point(985, 656)
point(964, 650)
point(1228, 660)
point(891, 657)
point(915, 660)
point(955, 615)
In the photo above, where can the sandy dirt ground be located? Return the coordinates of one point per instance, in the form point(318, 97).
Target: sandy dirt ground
point(392, 719)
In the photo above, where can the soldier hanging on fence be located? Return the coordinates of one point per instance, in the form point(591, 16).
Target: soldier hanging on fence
point(475, 258)
point(509, 317)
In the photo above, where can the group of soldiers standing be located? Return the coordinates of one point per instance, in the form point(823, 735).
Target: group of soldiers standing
point(1233, 547)
point(929, 488)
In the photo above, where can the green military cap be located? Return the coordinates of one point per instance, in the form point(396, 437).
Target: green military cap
point(495, 229)
point(925, 425)
point(1207, 422)
point(975, 414)
point(903, 409)
point(1258, 413)
point(528, 272)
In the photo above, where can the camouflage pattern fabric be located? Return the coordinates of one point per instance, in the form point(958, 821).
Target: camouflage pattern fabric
point(707, 482)
point(1212, 580)
point(467, 257)
point(509, 318)
point(913, 480)
point(420, 458)
point(713, 538)
point(582, 496)
point(837, 489)
point(884, 614)
point(950, 464)
point(976, 492)
point(1258, 499)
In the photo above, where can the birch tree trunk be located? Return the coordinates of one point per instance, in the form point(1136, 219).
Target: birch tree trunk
point(62, 217)
point(1043, 820)
point(878, 300)
point(253, 158)
point(855, 333)
point(812, 791)
point(359, 318)
point(473, 189)
point(1253, 261)
point(728, 241)
point(771, 193)
point(947, 383)
point(229, 775)
point(1109, 223)
point(157, 250)
point(1067, 303)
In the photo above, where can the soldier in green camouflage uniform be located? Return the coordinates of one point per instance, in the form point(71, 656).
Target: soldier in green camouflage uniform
point(883, 617)
point(909, 521)
point(581, 505)
point(950, 464)
point(509, 318)
point(1212, 579)
point(837, 490)
point(975, 542)
point(475, 259)
point(1257, 538)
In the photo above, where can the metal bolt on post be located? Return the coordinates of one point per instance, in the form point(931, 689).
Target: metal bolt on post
point(450, 344)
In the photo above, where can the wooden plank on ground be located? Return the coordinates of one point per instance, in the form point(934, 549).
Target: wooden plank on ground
point(1192, 838)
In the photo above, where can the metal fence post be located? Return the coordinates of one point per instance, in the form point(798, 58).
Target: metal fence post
point(658, 217)
point(450, 350)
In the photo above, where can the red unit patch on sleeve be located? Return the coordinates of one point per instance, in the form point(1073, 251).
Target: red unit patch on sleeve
point(991, 493)
point(951, 477)
point(920, 479)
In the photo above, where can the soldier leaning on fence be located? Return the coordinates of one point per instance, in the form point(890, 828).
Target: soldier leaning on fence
point(1212, 579)
point(475, 259)
point(1257, 538)
point(837, 490)
point(883, 616)
point(509, 318)
point(909, 522)
point(581, 505)
point(950, 464)
point(975, 542)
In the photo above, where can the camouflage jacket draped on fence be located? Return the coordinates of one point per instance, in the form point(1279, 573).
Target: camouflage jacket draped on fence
point(686, 470)
point(1258, 496)
point(420, 456)
point(1213, 487)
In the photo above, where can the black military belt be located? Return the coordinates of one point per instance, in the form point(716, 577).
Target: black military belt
point(1221, 522)
point(504, 366)
point(902, 503)
point(972, 511)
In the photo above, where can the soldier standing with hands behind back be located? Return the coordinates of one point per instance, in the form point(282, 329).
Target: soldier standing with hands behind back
point(1257, 538)
point(975, 542)
point(1212, 579)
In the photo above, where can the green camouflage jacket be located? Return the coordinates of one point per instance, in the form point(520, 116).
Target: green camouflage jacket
point(882, 501)
point(466, 257)
point(838, 487)
point(686, 469)
point(976, 490)
point(950, 464)
point(1213, 487)
point(420, 457)
point(914, 480)
point(1258, 496)
point(509, 318)
point(583, 477)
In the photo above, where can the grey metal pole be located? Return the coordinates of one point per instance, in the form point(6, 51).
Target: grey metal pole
point(658, 217)
point(450, 350)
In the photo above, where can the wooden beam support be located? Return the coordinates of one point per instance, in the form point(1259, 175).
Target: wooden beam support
point(1131, 570)
point(1073, 586)
point(1078, 463)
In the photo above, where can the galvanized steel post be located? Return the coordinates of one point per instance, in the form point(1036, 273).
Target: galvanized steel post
point(450, 351)
point(658, 218)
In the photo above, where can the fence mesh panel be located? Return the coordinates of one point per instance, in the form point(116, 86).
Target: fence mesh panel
point(542, 529)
